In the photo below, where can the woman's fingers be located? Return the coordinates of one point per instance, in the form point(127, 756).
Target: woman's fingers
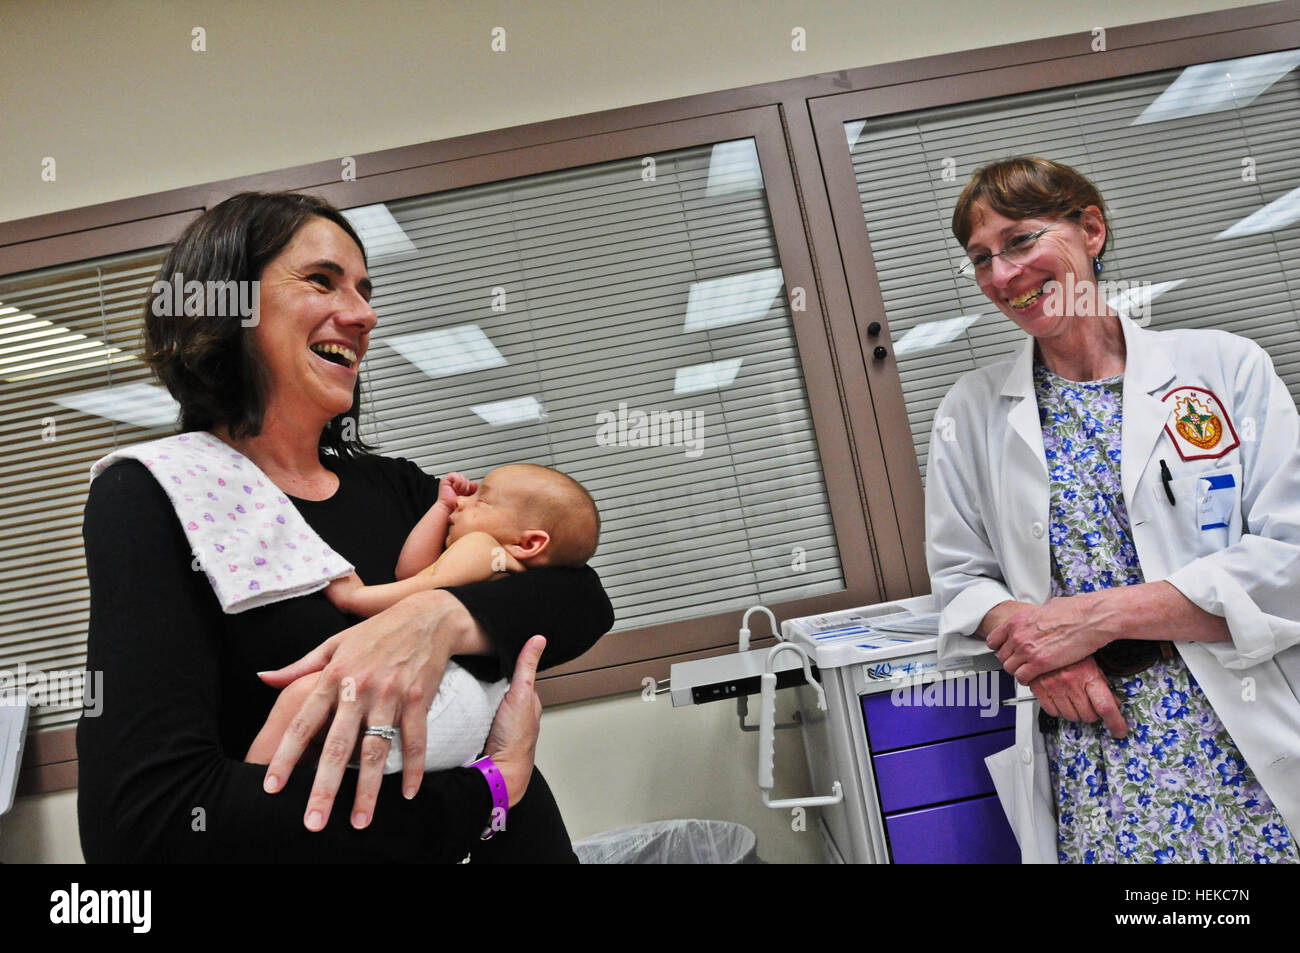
point(311, 717)
point(1065, 703)
point(526, 666)
point(1103, 699)
point(313, 661)
point(394, 662)
point(334, 757)
point(373, 758)
point(997, 637)
point(1047, 702)
point(1080, 692)
point(512, 740)
point(415, 726)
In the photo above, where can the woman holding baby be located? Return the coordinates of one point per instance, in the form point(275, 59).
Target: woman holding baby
point(181, 639)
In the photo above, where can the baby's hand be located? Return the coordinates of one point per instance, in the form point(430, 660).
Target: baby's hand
point(453, 485)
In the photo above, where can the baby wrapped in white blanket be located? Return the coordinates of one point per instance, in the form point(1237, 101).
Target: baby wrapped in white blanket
point(521, 516)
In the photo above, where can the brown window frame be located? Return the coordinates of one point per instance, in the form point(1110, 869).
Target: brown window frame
point(1066, 61)
point(872, 476)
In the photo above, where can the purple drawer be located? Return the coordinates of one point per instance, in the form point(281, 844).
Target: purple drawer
point(968, 832)
point(939, 772)
point(904, 718)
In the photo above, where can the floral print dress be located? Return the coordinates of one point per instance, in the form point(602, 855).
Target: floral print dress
point(1176, 790)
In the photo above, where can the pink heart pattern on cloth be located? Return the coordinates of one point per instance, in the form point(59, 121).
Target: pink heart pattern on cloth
point(225, 483)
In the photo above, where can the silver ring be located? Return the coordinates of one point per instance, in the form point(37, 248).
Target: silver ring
point(387, 732)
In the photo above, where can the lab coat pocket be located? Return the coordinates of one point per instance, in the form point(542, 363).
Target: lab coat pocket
point(1206, 513)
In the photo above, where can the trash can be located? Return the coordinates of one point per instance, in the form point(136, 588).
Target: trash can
point(672, 842)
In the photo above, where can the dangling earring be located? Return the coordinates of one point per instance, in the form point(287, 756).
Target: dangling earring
point(1096, 264)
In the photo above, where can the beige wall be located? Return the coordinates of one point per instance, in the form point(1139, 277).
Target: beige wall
point(114, 93)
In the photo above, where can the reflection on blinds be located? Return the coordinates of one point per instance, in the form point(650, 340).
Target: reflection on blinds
point(1201, 174)
point(72, 389)
point(632, 334)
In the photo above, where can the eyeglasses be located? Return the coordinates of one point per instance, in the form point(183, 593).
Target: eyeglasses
point(1018, 248)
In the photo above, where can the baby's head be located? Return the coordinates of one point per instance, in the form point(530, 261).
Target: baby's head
point(540, 516)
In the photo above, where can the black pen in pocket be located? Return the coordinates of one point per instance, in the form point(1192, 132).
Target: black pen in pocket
point(1166, 477)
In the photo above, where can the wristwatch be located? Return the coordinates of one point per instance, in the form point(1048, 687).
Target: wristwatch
point(500, 796)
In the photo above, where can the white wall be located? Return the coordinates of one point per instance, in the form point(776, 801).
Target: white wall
point(114, 93)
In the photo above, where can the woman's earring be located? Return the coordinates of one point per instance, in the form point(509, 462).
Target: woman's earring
point(1096, 264)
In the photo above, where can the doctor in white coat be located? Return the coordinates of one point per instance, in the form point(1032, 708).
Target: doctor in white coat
point(1227, 596)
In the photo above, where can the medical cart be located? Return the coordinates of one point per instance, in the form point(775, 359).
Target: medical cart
point(905, 741)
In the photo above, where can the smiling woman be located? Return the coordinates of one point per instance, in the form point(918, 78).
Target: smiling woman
point(315, 323)
point(285, 252)
point(1114, 598)
point(1053, 230)
point(208, 553)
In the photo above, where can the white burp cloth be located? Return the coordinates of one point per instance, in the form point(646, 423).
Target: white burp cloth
point(457, 723)
point(246, 535)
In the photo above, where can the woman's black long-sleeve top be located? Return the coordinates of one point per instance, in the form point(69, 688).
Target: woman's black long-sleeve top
point(161, 775)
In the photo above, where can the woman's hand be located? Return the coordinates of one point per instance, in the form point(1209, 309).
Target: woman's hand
point(1080, 692)
point(383, 671)
point(512, 741)
point(1031, 640)
point(1035, 640)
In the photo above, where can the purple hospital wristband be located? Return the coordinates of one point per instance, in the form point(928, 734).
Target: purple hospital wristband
point(500, 796)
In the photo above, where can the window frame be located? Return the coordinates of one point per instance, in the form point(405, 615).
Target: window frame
point(872, 478)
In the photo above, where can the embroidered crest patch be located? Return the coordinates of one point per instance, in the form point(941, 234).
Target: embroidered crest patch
point(1199, 426)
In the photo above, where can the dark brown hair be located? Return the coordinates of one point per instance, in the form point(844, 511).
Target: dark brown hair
point(1028, 187)
point(208, 363)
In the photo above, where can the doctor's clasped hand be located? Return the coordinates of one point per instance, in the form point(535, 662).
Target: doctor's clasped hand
point(1035, 640)
point(1075, 690)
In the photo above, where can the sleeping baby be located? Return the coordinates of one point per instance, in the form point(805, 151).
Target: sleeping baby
point(521, 516)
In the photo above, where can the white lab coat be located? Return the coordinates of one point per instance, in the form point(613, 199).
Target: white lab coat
point(987, 500)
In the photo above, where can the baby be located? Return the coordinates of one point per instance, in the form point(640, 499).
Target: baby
point(521, 516)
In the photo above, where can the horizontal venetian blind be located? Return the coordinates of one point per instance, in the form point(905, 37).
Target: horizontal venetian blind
point(1176, 178)
point(534, 320)
point(73, 389)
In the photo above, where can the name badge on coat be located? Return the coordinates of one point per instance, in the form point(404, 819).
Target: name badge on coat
point(1215, 497)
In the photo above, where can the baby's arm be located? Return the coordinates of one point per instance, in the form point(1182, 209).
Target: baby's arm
point(474, 557)
point(424, 544)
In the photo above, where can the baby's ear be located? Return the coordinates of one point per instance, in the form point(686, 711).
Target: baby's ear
point(532, 543)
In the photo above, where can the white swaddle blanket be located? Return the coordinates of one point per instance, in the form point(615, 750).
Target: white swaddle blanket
point(256, 549)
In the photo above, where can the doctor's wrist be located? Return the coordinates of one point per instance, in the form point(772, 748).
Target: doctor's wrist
point(999, 614)
point(1103, 616)
point(1160, 612)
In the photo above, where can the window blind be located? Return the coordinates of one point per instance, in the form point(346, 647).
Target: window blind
point(1180, 156)
point(534, 320)
point(73, 388)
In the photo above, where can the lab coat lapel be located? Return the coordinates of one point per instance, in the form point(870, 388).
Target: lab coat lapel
point(1023, 417)
point(1147, 372)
